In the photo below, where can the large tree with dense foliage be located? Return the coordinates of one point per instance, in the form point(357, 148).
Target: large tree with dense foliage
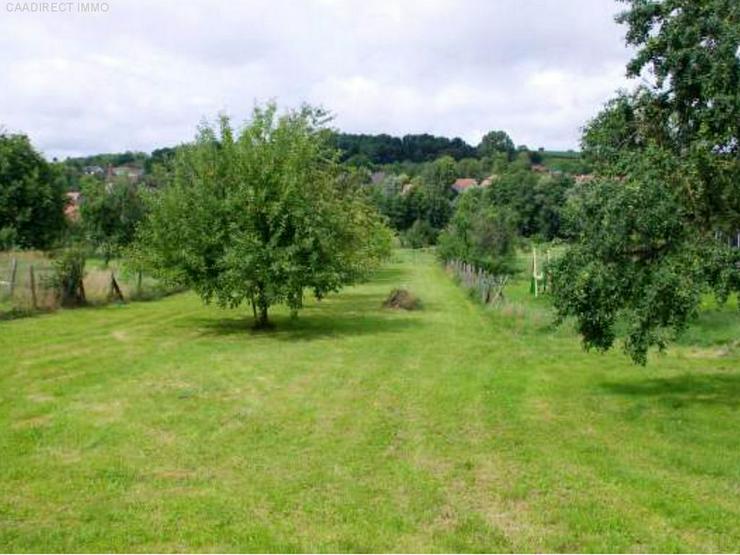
point(651, 233)
point(31, 196)
point(496, 142)
point(261, 214)
point(110, 213)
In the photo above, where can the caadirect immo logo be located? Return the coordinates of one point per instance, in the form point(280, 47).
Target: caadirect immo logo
point(58, 7)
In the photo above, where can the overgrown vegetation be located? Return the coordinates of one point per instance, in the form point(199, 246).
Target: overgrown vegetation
point(68, 275)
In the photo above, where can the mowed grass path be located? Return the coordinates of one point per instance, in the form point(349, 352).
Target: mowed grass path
point(169, 426)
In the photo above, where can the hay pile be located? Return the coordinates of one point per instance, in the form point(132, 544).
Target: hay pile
point(402, 299)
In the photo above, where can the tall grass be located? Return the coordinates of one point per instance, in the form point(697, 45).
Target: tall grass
point(97, 283)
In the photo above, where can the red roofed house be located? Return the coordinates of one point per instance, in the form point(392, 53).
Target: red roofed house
point(464, 183)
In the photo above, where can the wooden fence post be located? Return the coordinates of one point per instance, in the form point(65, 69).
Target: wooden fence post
point(32, 282)
point(13, 270)
point(115, 291)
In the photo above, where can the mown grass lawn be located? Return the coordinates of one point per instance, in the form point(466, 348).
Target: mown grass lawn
point(169, 426)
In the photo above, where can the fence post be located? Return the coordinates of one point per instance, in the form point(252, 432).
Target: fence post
point(13, 269)
point(535, 276)
point(115, 291)
point(32, 280)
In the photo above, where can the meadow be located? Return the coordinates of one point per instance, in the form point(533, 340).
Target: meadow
point(172, 426)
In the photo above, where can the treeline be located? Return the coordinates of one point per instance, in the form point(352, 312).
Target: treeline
point(363, 150)
point(418, 198)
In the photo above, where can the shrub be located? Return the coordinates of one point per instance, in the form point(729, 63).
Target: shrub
point(66, 280)
point(421, 234)
point(8, 238)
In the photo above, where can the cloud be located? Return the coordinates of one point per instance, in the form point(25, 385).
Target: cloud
point(143, 74)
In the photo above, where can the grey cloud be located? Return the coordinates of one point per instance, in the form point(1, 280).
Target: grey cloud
point(145, 73)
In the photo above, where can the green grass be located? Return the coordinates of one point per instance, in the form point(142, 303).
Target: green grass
point(169, 426)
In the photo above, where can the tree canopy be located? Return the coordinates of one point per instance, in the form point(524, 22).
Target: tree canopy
point(496, 142)
point(651, 233)
point(110, 213)
point(31, 196)
point(480, 234)
point(365, 149)
point(261, 214)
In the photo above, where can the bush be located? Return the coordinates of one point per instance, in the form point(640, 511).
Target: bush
point(69, 270)
point(421, 234)
point(8, 238)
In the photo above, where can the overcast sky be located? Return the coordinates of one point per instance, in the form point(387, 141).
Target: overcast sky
point(143, 74)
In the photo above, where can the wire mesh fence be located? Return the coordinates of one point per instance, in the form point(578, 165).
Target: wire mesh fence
point(487, 287)
point(26, 284)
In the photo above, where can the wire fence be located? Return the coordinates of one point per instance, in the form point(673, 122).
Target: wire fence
point(487, 287)
point(26, 284)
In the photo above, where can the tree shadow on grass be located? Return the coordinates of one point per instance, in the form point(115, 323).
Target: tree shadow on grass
point(306, 327)
point(711, 389)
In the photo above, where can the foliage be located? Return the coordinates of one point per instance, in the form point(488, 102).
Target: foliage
point(480, 234)
point(66, 279)
point(471, 167)
point(110, 213)
point(423, 202)
point(536, 200)
point(647, 234)
point(437, 191)
point(261, 214)
point(385, 149)
point(31, 196)
point(420, 234)
point(496, 142)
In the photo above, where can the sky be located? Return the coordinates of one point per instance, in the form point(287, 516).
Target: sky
point(139, 75)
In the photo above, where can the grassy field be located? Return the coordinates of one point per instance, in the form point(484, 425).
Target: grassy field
point(169, 426)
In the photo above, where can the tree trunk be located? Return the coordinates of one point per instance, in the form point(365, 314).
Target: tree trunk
point(261, 321)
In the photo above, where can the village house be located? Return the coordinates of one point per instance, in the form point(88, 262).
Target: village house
point(129, 171)
point(464, 183)
point(94, 170)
